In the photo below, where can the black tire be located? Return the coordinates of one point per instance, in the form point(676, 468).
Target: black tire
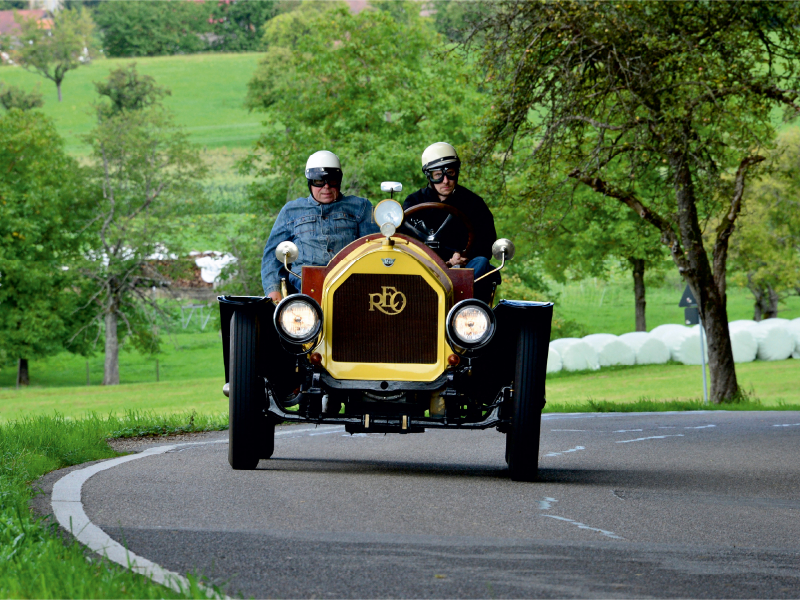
point(244, 412)
point(522, 440)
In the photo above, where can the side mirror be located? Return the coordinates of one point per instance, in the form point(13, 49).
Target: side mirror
point(503, 249)
point(287, 253)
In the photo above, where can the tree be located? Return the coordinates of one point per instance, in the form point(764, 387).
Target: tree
point(236, 24)
point(143, 166)
point(53, 52)
point(43, 211)
point(153, 28)
point(13, 97)
point(580, 239)
point(367, 86)
point(765, 252)
point(675, 96)
point(127, 90)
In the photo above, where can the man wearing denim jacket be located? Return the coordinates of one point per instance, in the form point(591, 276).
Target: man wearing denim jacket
point(320, 224)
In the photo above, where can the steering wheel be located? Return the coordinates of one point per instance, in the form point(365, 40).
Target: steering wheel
point(432, 239)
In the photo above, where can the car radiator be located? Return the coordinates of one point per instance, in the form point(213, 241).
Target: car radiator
point(382, 318)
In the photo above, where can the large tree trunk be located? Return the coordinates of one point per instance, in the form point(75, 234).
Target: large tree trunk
point(708, 286)
point(766, 301)
point(638, 292)
point(111, 369)
point(23, 377)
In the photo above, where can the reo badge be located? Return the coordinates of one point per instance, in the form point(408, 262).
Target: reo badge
point(388, 261)
point(389, 301)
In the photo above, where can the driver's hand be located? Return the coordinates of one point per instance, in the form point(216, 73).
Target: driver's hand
point(457, 260)
point(275, 297)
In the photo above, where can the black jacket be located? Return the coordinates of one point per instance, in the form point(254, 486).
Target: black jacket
point(455, 236)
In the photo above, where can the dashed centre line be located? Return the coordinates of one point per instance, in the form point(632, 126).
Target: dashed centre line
point(652, 437)
point(787, 425)
point(701, 427)
point(575, 449)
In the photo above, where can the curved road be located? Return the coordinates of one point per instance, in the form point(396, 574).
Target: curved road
point(662, 504)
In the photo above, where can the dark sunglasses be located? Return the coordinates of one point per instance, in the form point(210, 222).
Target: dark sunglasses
point(320, 183)
point(437, 175)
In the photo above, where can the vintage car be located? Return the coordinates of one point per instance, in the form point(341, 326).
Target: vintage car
point(386, 339)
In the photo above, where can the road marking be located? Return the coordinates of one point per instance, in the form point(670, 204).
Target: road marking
point(575, 449)
point(68, 510)
point(652, 437)
point(575, 430)
point(627, 430)
point(787, 425)
point(546, 504)
point(580, 525)
point(701, 427)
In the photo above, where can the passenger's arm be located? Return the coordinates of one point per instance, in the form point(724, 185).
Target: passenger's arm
point(270, 266)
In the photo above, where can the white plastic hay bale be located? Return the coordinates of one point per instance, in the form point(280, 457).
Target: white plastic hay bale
point(687, 349)
point(649, 350)
point(745, 346)
point(610, 350)
point(672, 336)
point(775, 341)
point(794, 328)
point(741, 324)
point(553, 361)
point(576, 355)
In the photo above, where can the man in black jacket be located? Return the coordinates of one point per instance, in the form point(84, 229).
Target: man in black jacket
point(445, 234)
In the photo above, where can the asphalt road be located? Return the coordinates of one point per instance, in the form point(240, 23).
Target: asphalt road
point(702, 505)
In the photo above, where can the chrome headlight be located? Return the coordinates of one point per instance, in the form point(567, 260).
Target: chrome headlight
point(298, 319)
point(388, 215)
point(470, 324)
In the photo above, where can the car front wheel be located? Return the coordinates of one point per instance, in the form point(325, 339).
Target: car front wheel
point(244, 413)
point(522, 440)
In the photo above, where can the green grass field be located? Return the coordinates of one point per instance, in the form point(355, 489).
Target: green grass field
point(608, 307)
point(207, 98)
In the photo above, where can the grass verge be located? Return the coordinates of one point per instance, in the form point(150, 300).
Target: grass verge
point(35, 561)
point(655, 405)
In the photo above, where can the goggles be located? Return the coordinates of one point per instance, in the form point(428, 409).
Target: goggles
point(331, 181)
point(437, 175)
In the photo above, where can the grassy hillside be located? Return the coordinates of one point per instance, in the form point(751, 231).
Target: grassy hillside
point(208, 91)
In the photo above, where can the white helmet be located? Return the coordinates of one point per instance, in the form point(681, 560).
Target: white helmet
point(323, 164)
point(439, 154)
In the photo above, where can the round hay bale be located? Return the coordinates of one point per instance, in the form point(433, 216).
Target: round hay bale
point(576, 355)
point(649, 350)
point(775, 341)
point(745, 346)
point(553, 361)
point(794, 328)
point(611, 350)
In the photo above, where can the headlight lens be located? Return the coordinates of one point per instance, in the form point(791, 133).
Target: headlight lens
point(298, 319)
point(470, 324)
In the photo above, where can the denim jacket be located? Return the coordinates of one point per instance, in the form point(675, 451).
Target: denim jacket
point(319, 230)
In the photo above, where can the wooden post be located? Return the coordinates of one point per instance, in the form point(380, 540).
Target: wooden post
point(88, 381)
point(157, 374)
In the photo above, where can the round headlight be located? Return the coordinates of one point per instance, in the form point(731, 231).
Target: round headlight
point(470, 324)
point(298, 319)
point(388, 212)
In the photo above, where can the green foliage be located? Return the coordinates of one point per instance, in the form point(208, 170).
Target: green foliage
point(661, 107)
point(153, 28)
point(143, 167)
point(43, 210)
point(366, 86)
point(35, 561)
point(455, 18)
point(765, 250)
point(53, 52)
point(13, 97)
point(127, 90)
point(237, 24)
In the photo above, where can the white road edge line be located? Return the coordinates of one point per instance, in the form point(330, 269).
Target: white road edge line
point(68, 511)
